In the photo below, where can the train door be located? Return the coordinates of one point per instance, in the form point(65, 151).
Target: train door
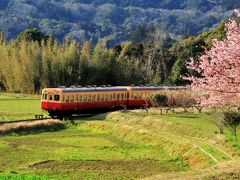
point(50, 101)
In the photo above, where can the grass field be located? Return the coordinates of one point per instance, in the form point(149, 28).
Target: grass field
point(120, 146)
point(14, 106)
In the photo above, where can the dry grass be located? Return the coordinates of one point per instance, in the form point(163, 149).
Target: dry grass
point(31, 127)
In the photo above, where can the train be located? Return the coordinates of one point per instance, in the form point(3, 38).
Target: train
point(66, 101)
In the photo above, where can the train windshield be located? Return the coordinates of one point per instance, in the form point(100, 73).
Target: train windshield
point(44, 97)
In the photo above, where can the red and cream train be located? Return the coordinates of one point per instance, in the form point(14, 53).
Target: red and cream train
point(63, 101)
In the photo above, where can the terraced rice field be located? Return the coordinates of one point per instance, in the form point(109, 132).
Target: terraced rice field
point(119, 145)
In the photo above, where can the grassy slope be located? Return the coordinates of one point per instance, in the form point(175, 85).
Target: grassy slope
point(126, 145)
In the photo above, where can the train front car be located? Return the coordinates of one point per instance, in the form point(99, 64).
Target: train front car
point(93, 99)
point(51, 101)
point(60, 102)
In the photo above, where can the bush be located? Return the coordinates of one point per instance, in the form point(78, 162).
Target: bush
point(232, 121)
point(159, 100)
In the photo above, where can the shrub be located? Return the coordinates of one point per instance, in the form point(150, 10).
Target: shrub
point(232, 121)
point(160, 101)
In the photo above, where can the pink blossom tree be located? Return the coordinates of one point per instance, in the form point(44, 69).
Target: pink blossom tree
point(219, 68)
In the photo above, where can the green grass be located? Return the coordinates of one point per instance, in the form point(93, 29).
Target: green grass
point(78, 152)
point(18, 106)
point(115, 146)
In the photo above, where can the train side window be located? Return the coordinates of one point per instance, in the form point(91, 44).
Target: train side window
point(102, 97)
point(76, 98)
point(122, 96)
point(89, 98)
point(118, 96)
point(56, 98)
point(131, 95)
point(72, 98)
point(110, 97)
point(135, 95)
point(139, 96)
point(98, 97)
point(51, 97)
point(114, 96)
point(106, 97)
point(93, 98)
point(67, 99)
point(80, 98)
point(84, 98)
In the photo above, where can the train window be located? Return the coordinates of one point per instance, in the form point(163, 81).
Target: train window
point(67, 98)
point(93, 98)
point(135, 95)
point(110, 97)
point(118, 96)
point(51, 97)
point(107, 97)
point(76, 98)
point(56, 97)
point(98, 97)
point(80, 98)
point(44, 97)
point(102, 97)
point(84, 98)
point(63, 98)
point(132, 96)
point(89, 98)
point(122, 96)
point(72, 98)
point(114, 96)
point(139, 96)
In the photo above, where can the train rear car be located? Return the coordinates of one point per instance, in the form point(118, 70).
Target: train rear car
point(140, 96)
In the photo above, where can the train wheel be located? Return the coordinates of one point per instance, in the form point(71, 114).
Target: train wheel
point(61, 117)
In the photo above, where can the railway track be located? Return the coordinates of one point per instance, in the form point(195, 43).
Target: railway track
point(39, 119)
point(22, 120)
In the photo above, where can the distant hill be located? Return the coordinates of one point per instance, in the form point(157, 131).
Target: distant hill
point(114, 19)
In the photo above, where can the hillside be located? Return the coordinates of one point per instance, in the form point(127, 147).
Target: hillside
point(117, 20)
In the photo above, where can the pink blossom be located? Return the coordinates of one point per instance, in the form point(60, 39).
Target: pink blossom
point(220, 69)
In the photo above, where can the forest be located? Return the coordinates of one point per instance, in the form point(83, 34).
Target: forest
point(115, 20)
point(33, 61)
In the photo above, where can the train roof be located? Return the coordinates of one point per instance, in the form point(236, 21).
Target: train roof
point(155, 88)
point(116, 88)
point(86, 89)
